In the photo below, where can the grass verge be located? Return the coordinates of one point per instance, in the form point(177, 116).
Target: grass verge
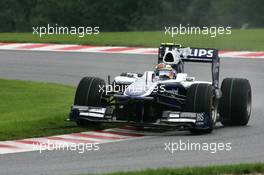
point(250, 39)
point(239, 169)
point(30, 109)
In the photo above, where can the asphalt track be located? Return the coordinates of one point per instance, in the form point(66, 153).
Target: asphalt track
point(67, 68)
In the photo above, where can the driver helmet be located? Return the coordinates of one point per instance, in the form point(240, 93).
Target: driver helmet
point(165, 71)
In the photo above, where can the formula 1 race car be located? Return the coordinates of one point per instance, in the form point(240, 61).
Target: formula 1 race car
point(166, 97)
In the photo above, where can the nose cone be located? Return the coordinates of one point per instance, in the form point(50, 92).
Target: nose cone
point(136, 89)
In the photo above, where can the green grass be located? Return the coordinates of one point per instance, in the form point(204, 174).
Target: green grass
point(30, 109)
point(211, 170)
point(250, 39)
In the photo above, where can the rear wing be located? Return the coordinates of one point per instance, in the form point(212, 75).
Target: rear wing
point(176, 54)
point(201, 55)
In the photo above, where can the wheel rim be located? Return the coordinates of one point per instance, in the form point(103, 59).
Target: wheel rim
point(213, 110)
point(214, 115)
point(249, 104)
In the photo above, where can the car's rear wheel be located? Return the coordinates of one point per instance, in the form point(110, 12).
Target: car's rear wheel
point(89, 93)
point(200, 99)
point(235, 103)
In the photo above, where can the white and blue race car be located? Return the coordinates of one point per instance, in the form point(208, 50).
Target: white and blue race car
point(165, 97)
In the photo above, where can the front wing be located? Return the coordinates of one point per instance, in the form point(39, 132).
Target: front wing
point(168, 119)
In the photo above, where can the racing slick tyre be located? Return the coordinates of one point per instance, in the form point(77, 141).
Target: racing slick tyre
point(235, 103)
point(88, 93)
point(200, 99)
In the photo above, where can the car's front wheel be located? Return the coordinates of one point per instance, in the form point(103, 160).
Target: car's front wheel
point(200, 99)
point(89, 93)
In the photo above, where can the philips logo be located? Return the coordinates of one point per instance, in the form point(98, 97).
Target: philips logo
point(203, 53)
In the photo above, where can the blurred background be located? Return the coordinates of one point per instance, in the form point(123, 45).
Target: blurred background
point(129, 15)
